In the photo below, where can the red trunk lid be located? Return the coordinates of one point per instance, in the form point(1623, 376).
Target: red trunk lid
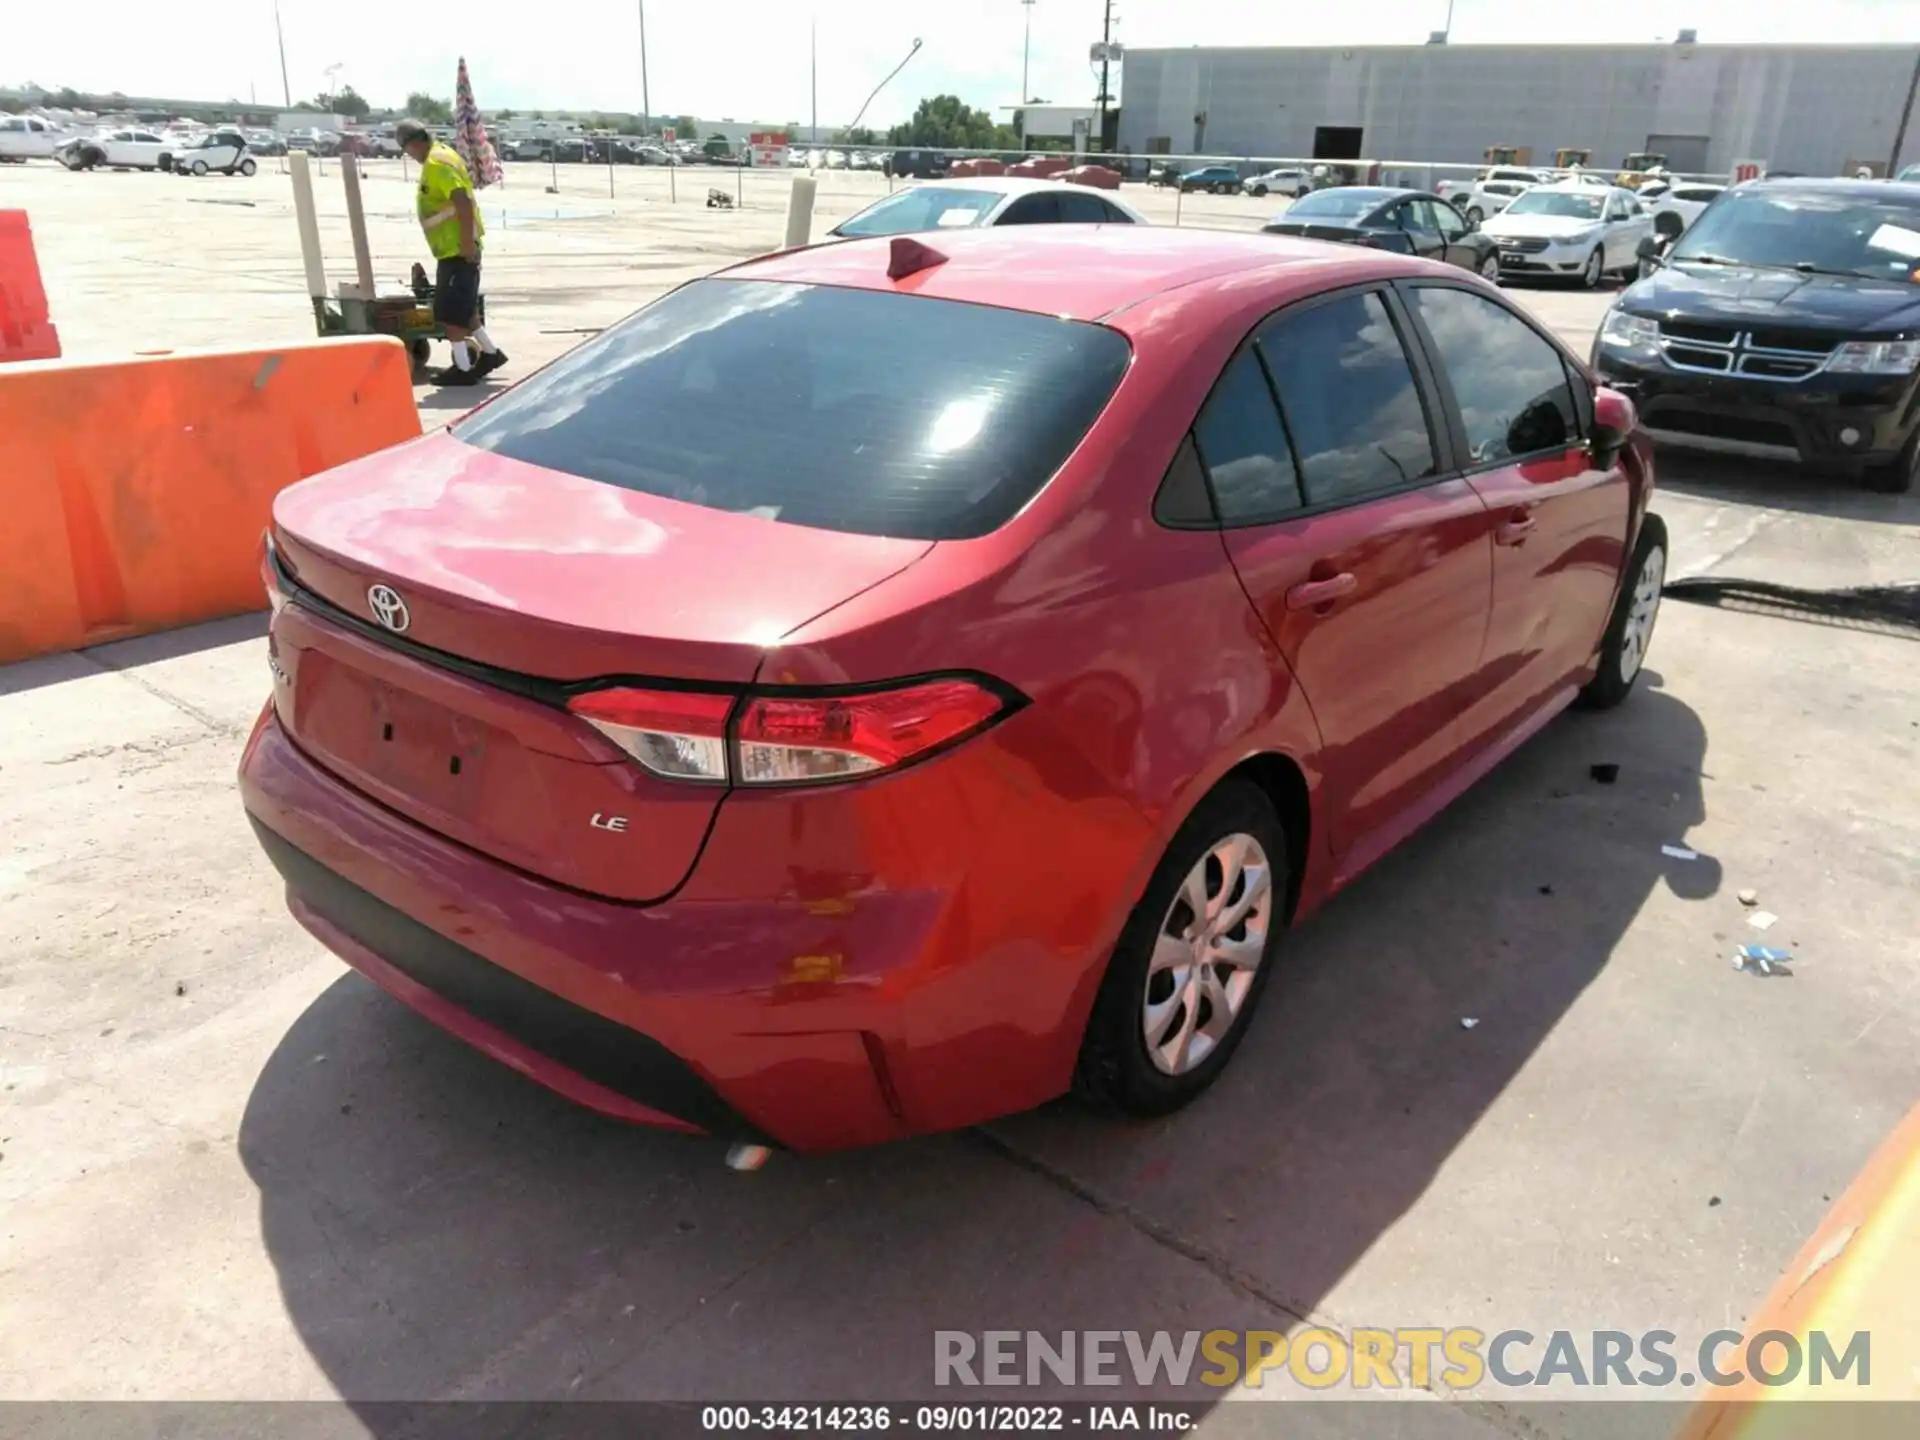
point(536, 574)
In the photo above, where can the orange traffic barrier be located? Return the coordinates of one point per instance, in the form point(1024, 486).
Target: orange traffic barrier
point(26, 333)
point(1858, 1275)
point(136, 490)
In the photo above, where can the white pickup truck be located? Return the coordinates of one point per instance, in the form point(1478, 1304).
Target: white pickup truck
point(28, 137)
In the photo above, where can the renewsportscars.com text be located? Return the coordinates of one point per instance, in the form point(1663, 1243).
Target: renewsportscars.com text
point(1417, 1357)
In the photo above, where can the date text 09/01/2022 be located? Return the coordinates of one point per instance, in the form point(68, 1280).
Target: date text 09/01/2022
point(938, 1419)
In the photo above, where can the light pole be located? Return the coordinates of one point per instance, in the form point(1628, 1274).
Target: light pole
point(813, 80)
point(883, 84)
point(286, 90)
point(1026, 49)
point(646, 103)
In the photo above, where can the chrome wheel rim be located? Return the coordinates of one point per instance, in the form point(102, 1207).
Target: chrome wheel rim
point(1490, 268)
point(1206, 954)
point(1593, 268)
point(1641, 612)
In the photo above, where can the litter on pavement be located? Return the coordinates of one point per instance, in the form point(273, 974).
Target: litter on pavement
point(1762, 919)
point(1679, 852)
point(1762, 959)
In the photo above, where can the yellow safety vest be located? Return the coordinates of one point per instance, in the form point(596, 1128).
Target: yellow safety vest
point(442, 175)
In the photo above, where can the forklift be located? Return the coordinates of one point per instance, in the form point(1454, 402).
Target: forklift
point(1634, 169)
point(1520, 156)
point(1571, 156)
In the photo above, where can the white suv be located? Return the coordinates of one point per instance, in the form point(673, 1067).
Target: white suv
point(1292, 183)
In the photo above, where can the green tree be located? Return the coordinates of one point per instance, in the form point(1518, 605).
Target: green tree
point(685, 127)
point(948, 122)
point(423, 107)
point(859, 135)
point(350, 102)
point(503, 115)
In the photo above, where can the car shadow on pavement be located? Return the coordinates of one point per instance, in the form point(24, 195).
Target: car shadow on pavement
point(1781, 487)
point(132, 652)
point(443, 1228)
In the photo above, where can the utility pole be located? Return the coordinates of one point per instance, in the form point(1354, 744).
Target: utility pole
point(1026, 49)
point(1906, 114)
point(286, 90)
point(1106, 49)
point(813, 78)
point(646, 101)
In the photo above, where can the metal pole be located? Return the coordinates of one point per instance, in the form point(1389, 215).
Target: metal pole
point(646, 102)
point(1026, 49)
point(1448, 31)
point(813, 78)
point(1106, 42)
point(1906, 114)
point(883, 84)
point(286, 90)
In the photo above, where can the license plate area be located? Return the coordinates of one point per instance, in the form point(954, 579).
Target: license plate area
point(425, 749)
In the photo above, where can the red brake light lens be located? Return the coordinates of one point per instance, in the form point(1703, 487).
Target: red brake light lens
point(676, 734)
point(797, 740)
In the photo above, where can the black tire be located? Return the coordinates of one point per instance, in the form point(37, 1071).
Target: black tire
point(1256, 190)
point(422, 351)
point(1898, 477)
point(247, 167)
point(1614, 682)
point(1115, 1071)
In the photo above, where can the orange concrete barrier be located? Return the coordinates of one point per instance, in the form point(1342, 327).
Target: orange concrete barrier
point(135, 491)
point(26, 332)
point(1858, 1273)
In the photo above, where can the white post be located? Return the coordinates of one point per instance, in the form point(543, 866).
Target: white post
point(357, 224)
point(309, 222)
point(800, 212)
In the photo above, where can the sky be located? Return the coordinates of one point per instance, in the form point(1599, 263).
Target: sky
point(747, 59)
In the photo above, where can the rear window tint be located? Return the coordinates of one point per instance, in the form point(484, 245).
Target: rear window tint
point(851, 410)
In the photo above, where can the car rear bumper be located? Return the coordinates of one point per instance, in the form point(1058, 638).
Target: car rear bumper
point(790, 991)
point(1833, 424)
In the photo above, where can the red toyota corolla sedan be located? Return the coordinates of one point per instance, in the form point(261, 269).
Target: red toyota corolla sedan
point(878, 687)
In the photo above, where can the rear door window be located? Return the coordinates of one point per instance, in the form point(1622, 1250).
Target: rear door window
point(1244, 447)
point(1348, 395)
point(1509, 381)
point(1082, 209)
point(852, 410)
point(1032, 210)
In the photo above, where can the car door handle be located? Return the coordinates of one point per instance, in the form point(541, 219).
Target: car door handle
point(1311, 594)
point(1515, 528)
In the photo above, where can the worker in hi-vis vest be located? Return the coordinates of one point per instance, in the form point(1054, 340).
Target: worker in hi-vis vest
point(454, 230)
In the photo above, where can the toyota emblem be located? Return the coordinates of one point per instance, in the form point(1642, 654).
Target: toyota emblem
point(388, 608)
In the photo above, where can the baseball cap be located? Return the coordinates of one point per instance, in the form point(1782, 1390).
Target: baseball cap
point(408, 131)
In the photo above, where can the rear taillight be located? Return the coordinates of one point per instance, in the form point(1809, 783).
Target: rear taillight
point(788, 739)
point(681, 735)
point(791, 740)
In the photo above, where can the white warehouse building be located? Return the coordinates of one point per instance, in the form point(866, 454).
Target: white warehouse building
point(1804, 108)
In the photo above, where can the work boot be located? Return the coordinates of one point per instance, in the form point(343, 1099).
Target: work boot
point(489, 362)
point(454, 375)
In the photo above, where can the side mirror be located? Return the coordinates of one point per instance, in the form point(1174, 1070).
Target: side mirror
point(1614, 421)
point(1652, 250)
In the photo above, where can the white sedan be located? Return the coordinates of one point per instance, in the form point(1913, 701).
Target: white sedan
point(986, 200)
point(1675, 207)
point(28, 137)
point(128, 149)
point(1571, 230)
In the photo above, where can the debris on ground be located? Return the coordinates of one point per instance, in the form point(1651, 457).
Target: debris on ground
point(180, 987)
point(1605, 773)
point(719, 200)
point(1762, 960)
point(1679, 852)
point(1762, 919)
point(1546, 889)
point(1749, 897)
point(1467, 1022)
point(1712, 1200)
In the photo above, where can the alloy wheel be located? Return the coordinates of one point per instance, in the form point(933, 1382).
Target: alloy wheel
point(1642, 611)
point(1207, 953)
point(1591, 275)
point(1490, 267)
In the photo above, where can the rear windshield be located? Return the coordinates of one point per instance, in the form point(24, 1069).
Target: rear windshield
point(924, 207)
point(852, 410)
point(1335, 204)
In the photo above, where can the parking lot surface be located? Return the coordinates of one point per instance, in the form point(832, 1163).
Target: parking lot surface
point(232, 1169)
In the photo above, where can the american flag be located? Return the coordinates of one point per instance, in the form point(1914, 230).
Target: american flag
point(470, 134)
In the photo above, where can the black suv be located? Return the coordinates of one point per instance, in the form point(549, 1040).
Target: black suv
point(1784, 325)
point(915, 165)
